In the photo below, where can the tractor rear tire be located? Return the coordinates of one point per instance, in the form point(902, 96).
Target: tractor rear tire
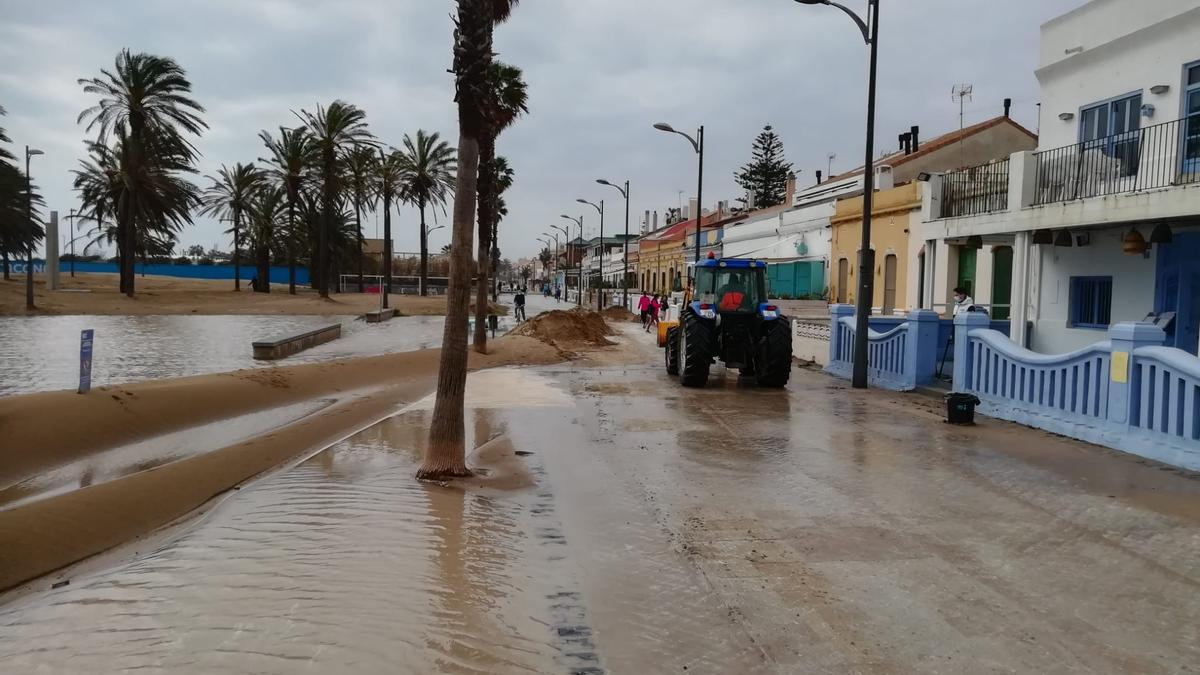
point(773, 367)
point(695, 350)
point(672, 351)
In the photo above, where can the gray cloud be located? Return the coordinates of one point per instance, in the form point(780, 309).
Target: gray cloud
point(600, 73)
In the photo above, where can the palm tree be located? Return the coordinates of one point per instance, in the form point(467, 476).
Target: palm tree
point(230, 196)
point(445, 454)
point(18, 232)
point(145, 104)
point(507, 99)
point(428, 165)
point(268, 217)
point(335, 131)
point(388, 184)
point(360, 170)
point(292, 156)
point(5, 155)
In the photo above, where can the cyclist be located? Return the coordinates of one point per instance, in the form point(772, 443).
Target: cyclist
point(519, 304)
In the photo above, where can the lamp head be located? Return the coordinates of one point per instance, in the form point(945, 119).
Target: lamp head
point(602, 181)
point(583, 201)
point(663, 126)
point(813, 2)
point(34, 151)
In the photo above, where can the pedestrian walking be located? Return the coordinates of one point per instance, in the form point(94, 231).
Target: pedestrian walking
point(519, 305)
point(653, 311)
point(558, 293)
point(644, 309)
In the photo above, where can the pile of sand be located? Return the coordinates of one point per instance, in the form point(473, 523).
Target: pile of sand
point(558, 327)
point(620, 314)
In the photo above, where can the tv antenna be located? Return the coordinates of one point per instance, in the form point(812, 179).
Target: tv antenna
point(829, 167)
point(962, 93)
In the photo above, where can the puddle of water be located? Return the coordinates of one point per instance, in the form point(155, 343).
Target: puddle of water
point(144, 455)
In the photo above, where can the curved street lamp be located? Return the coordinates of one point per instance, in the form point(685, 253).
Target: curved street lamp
point(698, 146)
point(625, 272)
point(579, 280)
point(866, 257)
point(599, 291)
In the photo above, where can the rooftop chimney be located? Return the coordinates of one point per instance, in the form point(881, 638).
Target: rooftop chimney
point(791, 189)
point(1007, 106)
point(906, 143)
point(693, 210)
point(818, 176)
point(914, 140)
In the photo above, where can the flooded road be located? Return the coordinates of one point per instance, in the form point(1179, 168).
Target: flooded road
point(42, 353)
point(724, 530)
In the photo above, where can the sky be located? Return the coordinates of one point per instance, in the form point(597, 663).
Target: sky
point(600, 73)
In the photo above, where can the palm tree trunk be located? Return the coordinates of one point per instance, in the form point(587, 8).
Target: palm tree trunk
point(127, 257)
point(487, 201)
point(445, 454)
point(358, 224)
point(387, 248)
point(237, 249)
point(291, 244)
point(264, 269)
point(424, 253)
point(324, 227)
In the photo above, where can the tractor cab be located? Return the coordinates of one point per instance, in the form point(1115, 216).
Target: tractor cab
point(736, 287)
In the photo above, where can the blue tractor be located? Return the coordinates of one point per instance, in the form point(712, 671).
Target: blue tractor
point(728, 318)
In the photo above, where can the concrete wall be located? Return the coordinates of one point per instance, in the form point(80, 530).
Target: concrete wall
point(1133, 289)
point(1128, 46)
point(997, 142)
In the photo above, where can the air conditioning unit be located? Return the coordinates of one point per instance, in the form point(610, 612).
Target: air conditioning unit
point(883, 177)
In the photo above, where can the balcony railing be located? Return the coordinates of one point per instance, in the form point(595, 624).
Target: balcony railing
point(970, 192)
point(1158, 156)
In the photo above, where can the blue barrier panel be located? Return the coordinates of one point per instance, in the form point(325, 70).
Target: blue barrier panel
point(279, 275)
point(901, 357)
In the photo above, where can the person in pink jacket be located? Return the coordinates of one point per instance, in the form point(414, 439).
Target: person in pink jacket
point(644, 309)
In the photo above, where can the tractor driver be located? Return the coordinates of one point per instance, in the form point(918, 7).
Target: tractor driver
point(733, 294)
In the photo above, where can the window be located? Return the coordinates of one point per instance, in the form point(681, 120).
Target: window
point(1112, 128)
point(1091, 302)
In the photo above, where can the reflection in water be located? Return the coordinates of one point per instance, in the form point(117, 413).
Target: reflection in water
point(41, 353)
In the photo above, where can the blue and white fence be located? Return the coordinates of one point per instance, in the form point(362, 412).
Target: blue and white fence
point(902, 358)
point(1127, 392)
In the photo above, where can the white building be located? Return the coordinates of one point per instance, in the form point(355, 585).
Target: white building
point(1102, 220)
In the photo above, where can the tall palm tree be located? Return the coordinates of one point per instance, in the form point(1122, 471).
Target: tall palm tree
point(335, 130)
point(428, 174)
point(5, 155)
point(388, 184)
point(360, 170)
point(507, 98)
point(18, 232)
point(268, 218)
point(292, 156)
point(445, 454)
point(230, 196)
point(145, 103)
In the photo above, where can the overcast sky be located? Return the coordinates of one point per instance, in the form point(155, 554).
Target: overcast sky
point(600, 72)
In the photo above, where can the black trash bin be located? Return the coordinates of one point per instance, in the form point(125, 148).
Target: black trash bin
point(960, 408)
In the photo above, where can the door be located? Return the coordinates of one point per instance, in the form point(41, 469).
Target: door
point(889, 284)
point(1177, 289)
point(966, 269)
point(1002, 264)
point(843, 279)
point(1191, 126)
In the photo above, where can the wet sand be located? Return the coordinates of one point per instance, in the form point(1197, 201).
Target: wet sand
point(47, 535)
point(98, 294)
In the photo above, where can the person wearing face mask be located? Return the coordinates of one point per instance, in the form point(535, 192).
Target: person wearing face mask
point(962, 301)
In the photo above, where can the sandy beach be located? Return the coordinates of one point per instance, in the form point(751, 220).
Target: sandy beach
point(98, 294)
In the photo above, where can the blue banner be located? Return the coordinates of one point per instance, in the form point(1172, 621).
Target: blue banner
point(85, 360)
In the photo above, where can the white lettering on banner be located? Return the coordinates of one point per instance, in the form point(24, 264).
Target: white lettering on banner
point(19, 268)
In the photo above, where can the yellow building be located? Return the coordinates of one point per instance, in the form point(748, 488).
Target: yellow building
point(894, 213)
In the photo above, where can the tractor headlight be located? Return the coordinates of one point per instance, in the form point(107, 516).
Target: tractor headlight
point(770, 314)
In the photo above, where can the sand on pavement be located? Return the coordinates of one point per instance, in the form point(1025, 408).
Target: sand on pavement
point(98, 294)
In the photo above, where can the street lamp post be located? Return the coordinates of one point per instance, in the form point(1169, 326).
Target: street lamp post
point(600, 290)
point(29, 152)
point(698, 146)
point(566, 238)
point(579, 279)
point(555, 235)
point(625, 271)
point(866, 257)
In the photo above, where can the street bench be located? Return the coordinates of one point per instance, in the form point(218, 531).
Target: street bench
point(380, 315)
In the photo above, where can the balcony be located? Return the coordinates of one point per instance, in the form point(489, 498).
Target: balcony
point(974, 191)
point(1160, 156)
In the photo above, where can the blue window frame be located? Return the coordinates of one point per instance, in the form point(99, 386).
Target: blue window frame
point(1191, 113)
point(1112, 127)
point(1091, 302)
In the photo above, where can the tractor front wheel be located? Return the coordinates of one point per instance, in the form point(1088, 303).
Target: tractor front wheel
point(695, 351)
point(773, 365)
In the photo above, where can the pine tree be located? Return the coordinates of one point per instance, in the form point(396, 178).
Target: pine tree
point(765, 176)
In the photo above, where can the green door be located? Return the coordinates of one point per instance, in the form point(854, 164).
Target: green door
point(966, 269)
point(1002, 264)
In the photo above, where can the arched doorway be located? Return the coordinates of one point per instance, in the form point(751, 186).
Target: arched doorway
point(843, 279)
